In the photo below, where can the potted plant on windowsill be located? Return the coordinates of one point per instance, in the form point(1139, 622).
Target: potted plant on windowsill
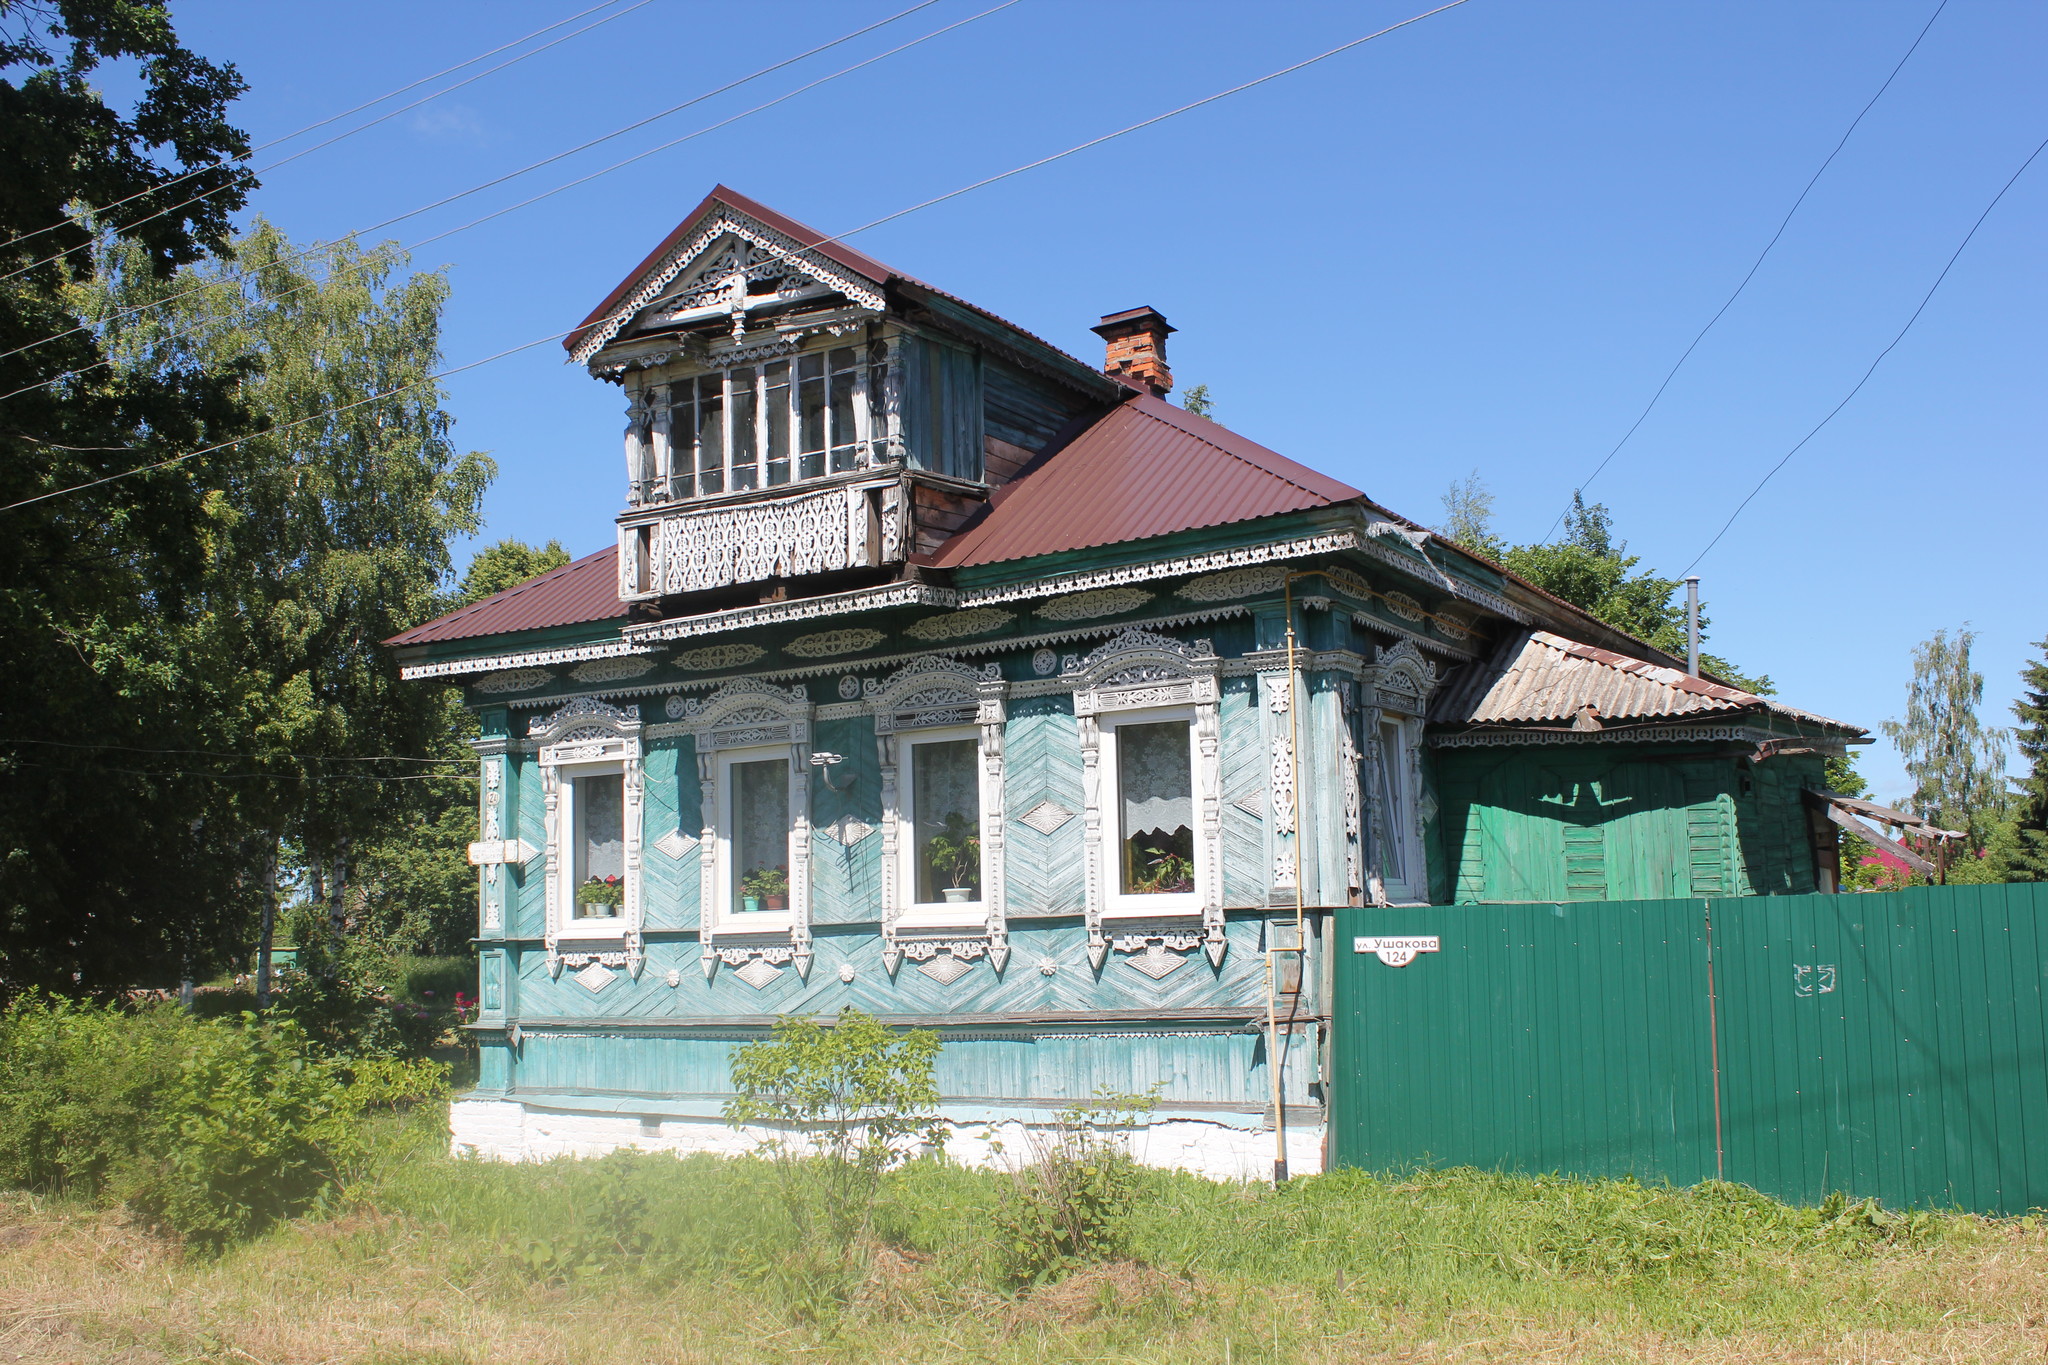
point(603, 894)
point(765, 888)
point(1165, 873)
point(955, 854)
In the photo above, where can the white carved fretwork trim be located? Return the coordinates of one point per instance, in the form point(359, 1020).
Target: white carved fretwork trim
point(611, 670)
point(748, 542)
point(931, 692)
point(1234, 583)
point(588, 730)
point(513, 680)
point(713, 658)
point(1083, 606)
point(1137, 670)
point(1642, 734)
point(800, 609)
point(979, 622)
point(449, 668)
point(720, 222)
point(828, 643)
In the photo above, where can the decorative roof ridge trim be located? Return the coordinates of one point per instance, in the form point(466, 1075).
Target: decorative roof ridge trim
point(492, 663)
point(798, 609)
point(724, 218)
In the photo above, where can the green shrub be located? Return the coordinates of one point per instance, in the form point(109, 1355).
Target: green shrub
point(856, 1095)
point(1071, 1202)
point(211, 1129)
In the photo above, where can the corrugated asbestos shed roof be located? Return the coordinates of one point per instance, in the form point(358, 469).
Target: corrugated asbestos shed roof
point(1147, 468)
point(586, 590)
point(1537, 678)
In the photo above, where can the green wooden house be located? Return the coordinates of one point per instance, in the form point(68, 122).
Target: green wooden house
point(938, 673)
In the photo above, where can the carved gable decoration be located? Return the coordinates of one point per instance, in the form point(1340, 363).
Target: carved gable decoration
point(933, 690)
point(749, 711)
point(1402, 678)
point(730, 266)
point(1138, 668)
point(587, 730)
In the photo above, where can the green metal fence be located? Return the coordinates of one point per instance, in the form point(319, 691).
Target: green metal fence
point(1891, 1044)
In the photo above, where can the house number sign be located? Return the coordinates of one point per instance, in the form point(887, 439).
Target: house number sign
point(1395, 952)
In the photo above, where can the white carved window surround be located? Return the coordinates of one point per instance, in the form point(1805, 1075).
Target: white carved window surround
point(1401, 681)
point(593, 788)
point(940, 806)
point(753, 747)
point(1148, 760)
point(1133, 697)
point(785, 419)
point(929, 716)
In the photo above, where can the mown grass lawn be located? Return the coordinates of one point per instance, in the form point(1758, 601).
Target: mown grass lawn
point(645, 1259)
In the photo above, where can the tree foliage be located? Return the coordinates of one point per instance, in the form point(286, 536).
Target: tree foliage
point(117, 863)
point(507, 564)
point(1956, 762)
point(1589, 567)
point(2030, 806)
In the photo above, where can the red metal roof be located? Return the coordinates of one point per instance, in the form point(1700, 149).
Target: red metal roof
point(586, 590)
point(1147, 468)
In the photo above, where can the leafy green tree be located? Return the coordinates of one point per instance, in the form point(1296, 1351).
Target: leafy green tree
point(507, 564)
point(1956, 762)
point(329, 535)
point(1591, 569)
point(2029, 857)
point(124, 849)
point(1198, 401)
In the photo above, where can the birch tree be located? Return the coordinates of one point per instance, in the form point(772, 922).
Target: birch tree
point(1956, 762)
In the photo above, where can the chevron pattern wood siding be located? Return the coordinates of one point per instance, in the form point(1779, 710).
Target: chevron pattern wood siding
point(527, 915)
point(669, 885)
point(846, 879)
point(1042, 762)
point(1245, 766)
point(1198, 1059)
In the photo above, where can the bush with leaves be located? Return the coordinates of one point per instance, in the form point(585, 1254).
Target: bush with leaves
point(1070, 1202)
point(211, 1129)
point(851, 1098)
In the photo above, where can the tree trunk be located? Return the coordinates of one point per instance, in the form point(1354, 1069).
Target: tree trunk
point(268, 930)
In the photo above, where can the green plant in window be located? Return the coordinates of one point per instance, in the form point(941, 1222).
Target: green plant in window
point(955, 852)
point(602, 891)
point(1163, 871)
point(764, 882)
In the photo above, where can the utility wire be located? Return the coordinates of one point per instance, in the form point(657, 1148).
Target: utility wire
point(1924, 300)
point(568, 185)
point(814, 246)
point(1754, 266)
point(263, 777)
point(338, 137)
point(83, 214)
point(531, 166)
point(226, 753)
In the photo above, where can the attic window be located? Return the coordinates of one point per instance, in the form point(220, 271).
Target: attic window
point(759, 426)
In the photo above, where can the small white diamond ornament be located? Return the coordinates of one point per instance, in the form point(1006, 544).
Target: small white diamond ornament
point(1047, 816)
point(1157, 961)
point(594, 977)
point(945, 968)
point(757, 973)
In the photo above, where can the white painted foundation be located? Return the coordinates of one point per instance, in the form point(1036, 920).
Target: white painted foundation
point(507, 1130)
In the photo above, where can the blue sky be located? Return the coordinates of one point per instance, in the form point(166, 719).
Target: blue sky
point(1477, 243)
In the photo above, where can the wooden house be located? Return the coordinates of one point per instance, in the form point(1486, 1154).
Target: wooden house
point(938, 673)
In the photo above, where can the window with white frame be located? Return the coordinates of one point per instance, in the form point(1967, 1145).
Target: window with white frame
point(591, 808)
point(754, 838)
point(1400, 853)
point(1149, 763)
point(785, 420)
point(940, 842)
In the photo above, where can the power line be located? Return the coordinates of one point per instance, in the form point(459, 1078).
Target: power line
point(263, 777)
point(1924, 299)
point(566, 185)
point(227, 753)
point(1754, 266)
point(531, 166)
point(338, 137)
point(823, 241)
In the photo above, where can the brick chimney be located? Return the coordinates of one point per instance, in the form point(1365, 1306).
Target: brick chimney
point(1137, 348)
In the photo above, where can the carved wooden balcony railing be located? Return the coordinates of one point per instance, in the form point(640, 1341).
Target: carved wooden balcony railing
point(854, 521)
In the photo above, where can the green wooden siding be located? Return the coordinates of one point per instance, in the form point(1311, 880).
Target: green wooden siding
point(1889, 1045)
point(1546, 823)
